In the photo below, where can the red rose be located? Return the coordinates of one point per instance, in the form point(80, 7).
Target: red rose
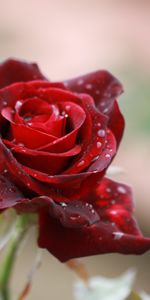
point(57, 140)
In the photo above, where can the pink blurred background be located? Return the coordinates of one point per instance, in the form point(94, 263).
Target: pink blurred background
point(68, 38)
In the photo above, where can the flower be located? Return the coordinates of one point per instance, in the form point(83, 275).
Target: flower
point(57, 141)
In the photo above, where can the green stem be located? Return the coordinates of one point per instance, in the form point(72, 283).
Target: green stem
point(9, 259)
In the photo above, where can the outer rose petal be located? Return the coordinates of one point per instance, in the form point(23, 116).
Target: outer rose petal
point(116, 231)
point(104, 88)
point(13, 70)
point(9, 193)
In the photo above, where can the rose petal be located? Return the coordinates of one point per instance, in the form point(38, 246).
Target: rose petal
point(29, 137)
point(116, 231)
point(74, 214)
point(102, 86)
point(117, 127)
point(13, 70)
point(94, 128)
point(9, 193)
point(80, 184)
point(50, 163)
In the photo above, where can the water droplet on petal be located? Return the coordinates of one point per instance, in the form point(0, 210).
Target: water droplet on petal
point(80, 82)
point(67, 107)
point(99, 144)
point(18, 104)
point(97, 92)
point(63, 204)
point(121, 189)
point(4, 103)
point(101, 132)
point(107, 155)
point(118, 235)
point(113, 201)
point(88, 86)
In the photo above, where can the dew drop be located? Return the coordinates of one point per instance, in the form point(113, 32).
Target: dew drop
point(67, 107)
point(118, 235)
point(12, 189)
point(90, 206)
point(102, 103)
point(66, 115)
point(113, 201)
point(105, 110)
point(121, 190)
point(80, 82)
point(21, 144)
point(4, 103)
point(18, 104)
point(88, 86)
point(101, 132)
point(97, 92)
point(99, 144)
point(63, 204)
point(99, 124)
point(107, 155)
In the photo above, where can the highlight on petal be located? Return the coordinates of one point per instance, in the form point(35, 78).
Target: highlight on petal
point(115, 231)
point(13, 70)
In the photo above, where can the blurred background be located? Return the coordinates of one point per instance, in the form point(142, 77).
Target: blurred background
point(67, 38)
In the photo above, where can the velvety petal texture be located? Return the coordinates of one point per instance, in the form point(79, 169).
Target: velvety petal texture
point(57, 140)
point(102, 226)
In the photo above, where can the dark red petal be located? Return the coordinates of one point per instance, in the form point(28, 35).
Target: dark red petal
point(101, 85)
point(104, 88)
point(20, 177)
point(94, 129)
point(116, 231)
point(13, 70)
point(74, 214)
point(9, 193)
point(116, 122)
point(80, 184)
